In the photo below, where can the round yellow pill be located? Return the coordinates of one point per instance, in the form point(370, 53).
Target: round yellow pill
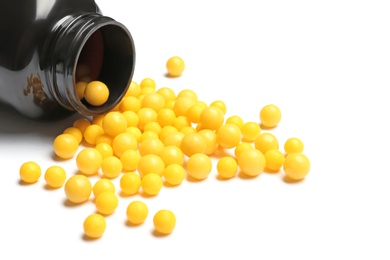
point(251, 162)
point(65, 146)
point(174, 174)
point(227, 167)
point(89, 160)
point(175, 66)
point(137, 212)
point(78, 188)
point(30, 172)
point(130, 159)
point(151, 184)
point(130, 183)
point(96, 93)
point(111, 167)
point(228, 136)
point(151, 163)
point(293, 145)
point(265, 142)
point(274, 159)
point(193, 143)
point(94, 225)
point(106, 202)
point(250, 130)
point(270, 115)
point(103, 185)
point(164, 221)
point(55, 176)
point(296, 166)
point(199, 166)
point(114, 123)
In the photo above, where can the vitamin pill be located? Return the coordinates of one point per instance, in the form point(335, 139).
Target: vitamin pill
point(251, 162)
point(146, 115)
point(130, 103)
point(89, 160)
point(210, 138)
point(103, 185)
point(164, 221)
point(181, 122)
point(250, 130)
point(183, 104)
point(175, 66)
point(220, 104)
point(114, 123)
point(265, 142)
point(227, 167)
point(293, 145)
point(174, 174)
point(241, 147)
point(30, 172)
point(65, 146)
point(151, 184)
point(166, 116)
point(111, 167)
point(106, 202)
point(228, 136)
point(80, 88)
point(133, 90)
point(122, 142)
point(104, 139)
point(211, 118)
point(81, 123)
point(167, 93)
point(270, 115)
point(78, 188)
point(94, 225)
point(147, 83)
point(130, 183)
point(92, 132)
point(296, 166)
point(154, 101)
point(75, 132)
point(165, 131)
point(55, 176)
point(193, 143)
point(151, 163)
point(193, 113)
point(96, 93)
point(151, 146)
point(137, 212)
point(104, 149)
point(199, 166)
point(235, 120)
point(274, 159)
point(130, 159)
point(174, 139)
point(153, 126)
point(172, 154)
point(187, 93)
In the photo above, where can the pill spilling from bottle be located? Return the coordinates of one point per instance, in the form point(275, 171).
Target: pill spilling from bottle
point(156, 136)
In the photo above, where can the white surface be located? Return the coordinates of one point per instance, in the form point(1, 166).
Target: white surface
point(324, 63)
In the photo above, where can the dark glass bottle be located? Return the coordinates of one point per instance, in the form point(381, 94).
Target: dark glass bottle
point(47, 45)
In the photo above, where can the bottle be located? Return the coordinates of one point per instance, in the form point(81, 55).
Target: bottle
point(47, 46)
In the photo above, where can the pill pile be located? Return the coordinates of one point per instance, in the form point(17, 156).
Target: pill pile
point(156, 136)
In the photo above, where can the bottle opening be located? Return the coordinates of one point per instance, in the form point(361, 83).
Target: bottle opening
point(106, 56)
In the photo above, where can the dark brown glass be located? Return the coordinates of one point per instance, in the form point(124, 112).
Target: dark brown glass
point(43, 46)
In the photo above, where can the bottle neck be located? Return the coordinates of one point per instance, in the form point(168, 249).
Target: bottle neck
point(88, 47)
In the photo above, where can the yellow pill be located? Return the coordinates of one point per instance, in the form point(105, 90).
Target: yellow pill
point(146, 115)
point(174, 139)
point(227, 167)
point(76, 132)
point(130, 183)
point(55, 176)
point(30, 172)
point(172, 155)
point(265, 142)
point(137, 212)
point(151, 163)
point(96, 93)
point(106, 202)
point(78, 189)
point(211, 118)
point(270, 115)
point(151, 184)
point(199, 166)
point(241, 147)
point(151, 146)
point(104, 139)
point(92, 132)
point(134, 89)
point(134, 131)
point(274, 159)
point(235, 120)
point(153, 126)
point(164, 221)
point(131, 118)
point(165, 117)
point(114, 123)
point(81, 123)
point(182, 104)
point(80, 89)
point(94, 226)
point(228, 136)
point(104, 149)
point(89, 160)
point(65, 146)
point(147, 135)
point(211, 140)
point(123, 142)
point(130, 104)
point(296, 166)
point(293, 145)
point(98, 119)
point(174, 174)
point(193, 143)
point(111, 167)
point(130, 159)
point(103, 185)
point(193, 113)
point(251, 162)
point(220, 104)
point(250, 130)
point(147, 83)
point(167, 93)
point(175, 66)
point(154, 101)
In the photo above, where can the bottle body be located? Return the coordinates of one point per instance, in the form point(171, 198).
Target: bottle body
point(47, 46)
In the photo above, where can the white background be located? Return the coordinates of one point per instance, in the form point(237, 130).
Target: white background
point(326, 65)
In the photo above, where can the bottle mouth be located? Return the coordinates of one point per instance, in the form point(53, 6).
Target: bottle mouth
point(107, 54)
